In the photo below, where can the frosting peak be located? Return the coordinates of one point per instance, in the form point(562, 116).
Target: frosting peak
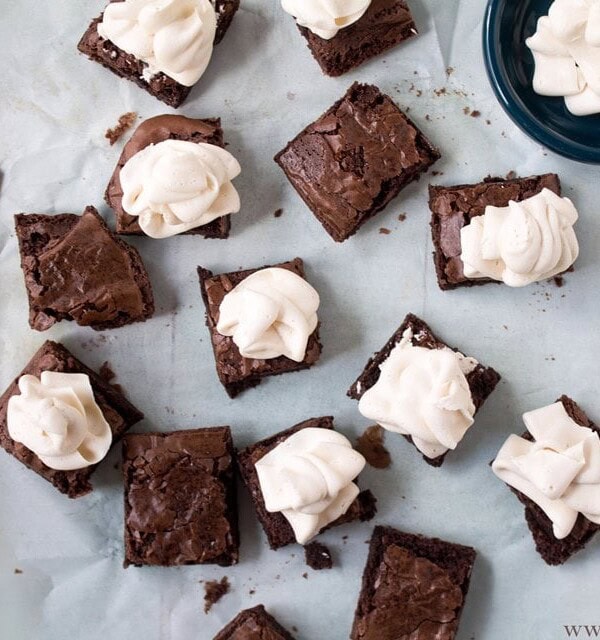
point(326, 17)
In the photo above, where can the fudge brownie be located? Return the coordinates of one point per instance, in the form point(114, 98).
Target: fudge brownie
point(318, 556)
point(482, 380)
point(412, 587)
point(237, 373)
point(278, 530)
point(385, 24)
point(552, 550)
point(153, 131)
point(180, 498)
point(453, 208)
point(117, 410)
point(253, 624)
point(352, 161)
point(128, 66)
point(75, 268)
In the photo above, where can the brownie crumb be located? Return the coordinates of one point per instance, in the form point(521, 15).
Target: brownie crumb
point(475, 114)
point(214, 590)
point(559, 281)
point(18, 572)
point(488, 122)
point(466, 111)
point(318, 556)
point(449, 71)
point(419, 93)
point(370, 444)
point(252, 592)
point(427, 117)
point(125, 121)
point(384, 231)
point(305, 576)
point(437, 173)
point(440, 92)
point(278, 213)
point(511, 175)
point(290, 95)
point(401, 217)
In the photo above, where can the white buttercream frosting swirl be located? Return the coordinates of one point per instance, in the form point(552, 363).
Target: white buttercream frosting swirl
point(56, 417)
point(174, 37)
point(559, 470)
point(423, 393)
point(176, 185)
point(271, 313)
point(326, 17)
point(525, 242)
point(309, 479)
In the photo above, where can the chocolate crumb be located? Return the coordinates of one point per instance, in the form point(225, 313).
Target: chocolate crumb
point(559, 281)
point(370, 444)
point(290, 95)
point(437, 173)
point(488, 122)
point(427, 117)
point(252, 592)
point(440, 92)
point(278, 213)
point(318, 556)
point(384, 231)
point(449, 71)
point(475, 114)
point(419, 93)
point(18, 572)
point(125, 121)
point(466, 111)
point(511, 175)
point(214, 590)
point(402, 217)
point(305, 576)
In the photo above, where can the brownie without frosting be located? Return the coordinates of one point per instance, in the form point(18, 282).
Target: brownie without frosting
point(413, 587)
point(75, 268)
point(153, 131)
point(453, 208)
point(128, 66)
point(117, 410)
point(354, 159)
point(385, 24)
point(235, 372)
point(254, 624)
point(180, 498)
point(482, 380)
point(278, 530)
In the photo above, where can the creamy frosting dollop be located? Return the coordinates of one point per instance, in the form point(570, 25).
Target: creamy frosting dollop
point(559, 470)
point(326, 17)
point(56, 417)
point(423, 393)
point(566, 50)
point(525, 242)
point(271, 313)
point(174, 37)
point(309, 479)
point(176, 185)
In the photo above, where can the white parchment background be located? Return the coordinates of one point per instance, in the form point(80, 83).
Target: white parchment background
point(263, 83)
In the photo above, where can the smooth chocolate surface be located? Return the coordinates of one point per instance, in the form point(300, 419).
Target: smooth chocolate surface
point(482, 380)
point(75, 268)
point(254, 624)
point(153, 131)
point(117, 410)
point(454, 207)
point(385, 24)
point(237, 373)
point(354, 159)
point(277, 529)
point(413, 588)
point(180, 498)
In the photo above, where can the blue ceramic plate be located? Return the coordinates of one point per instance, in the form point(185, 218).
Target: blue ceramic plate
point(510, 68)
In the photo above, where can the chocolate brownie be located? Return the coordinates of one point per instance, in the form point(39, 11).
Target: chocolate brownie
point(278, 530)
point(412, 587)
point(253, 624)
point(318, 556)
point(75, 268)
point(353, 160)
point(482, 380)
point(235, 372)
point(180, 498)
point(453, 208)
point(117, 410)
point(153, 131)
point(386, 24)
point(128, 66)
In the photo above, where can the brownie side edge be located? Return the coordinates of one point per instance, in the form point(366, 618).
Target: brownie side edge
point(260, 618)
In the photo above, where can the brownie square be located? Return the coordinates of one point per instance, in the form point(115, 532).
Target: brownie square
point(482, 380)
point(354, 159)
point(153, 131)
point(453, 208)
point(385, 24)
point(254, 624)
point(128, 66)
point(75, 268)
point(552, 550)
point(117, 410)
point(412, 587)
point(235, 372)
point(180, 498)
point(278, 530)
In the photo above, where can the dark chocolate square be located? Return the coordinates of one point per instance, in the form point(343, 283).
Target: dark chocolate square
point(237, 373)
point(351, 162)
point(117, 410)
point(482, 380)
point(75, 268)
point(153, 131)
point(254, 624)
point(412, 587)
point(385, 24)
point(180, 498)
point(278, 530)
point(453, 208)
